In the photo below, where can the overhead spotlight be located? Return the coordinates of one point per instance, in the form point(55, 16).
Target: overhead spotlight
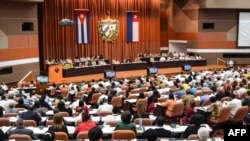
point(66, 22)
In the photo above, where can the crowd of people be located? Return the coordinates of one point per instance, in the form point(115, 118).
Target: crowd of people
point(214, 85)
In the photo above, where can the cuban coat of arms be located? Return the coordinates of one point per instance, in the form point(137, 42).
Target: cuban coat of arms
point(108, 29)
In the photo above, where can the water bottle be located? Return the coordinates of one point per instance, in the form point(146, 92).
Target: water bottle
point(140, 122)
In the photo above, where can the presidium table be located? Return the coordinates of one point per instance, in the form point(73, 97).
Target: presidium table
point(56, 76)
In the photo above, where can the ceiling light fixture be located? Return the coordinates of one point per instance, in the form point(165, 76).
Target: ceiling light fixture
point(65, 21)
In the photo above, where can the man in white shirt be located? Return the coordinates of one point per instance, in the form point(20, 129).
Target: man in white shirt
point(235, 103)
point(114, 117)
point(105, 106)
point(230, 63)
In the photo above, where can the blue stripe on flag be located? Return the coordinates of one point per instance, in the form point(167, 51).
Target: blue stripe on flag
point(82, 29)
point(130, 26)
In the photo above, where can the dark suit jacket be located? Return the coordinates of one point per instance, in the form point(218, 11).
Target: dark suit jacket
point(22, 130)
point(163, 133)
point(31, 115)
point(191, 129)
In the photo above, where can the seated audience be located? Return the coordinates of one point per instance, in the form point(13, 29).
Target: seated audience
point(246, 100)
point(49, 136)
point(12, 109)
point(235, 103)
point(95, 134)
point(140, 113)
point(246, 120)
point(114, 117)
point(126, 123)
point(155, 94)
point(20, 129)
point(71, 94)
point(188, 113)
point(31, 115)
point(203, 134)
point(168, 104)
point(180, 93)
point(150, 135)
point(151, 106)
point(82, 106)
point(58, 98)
point(85, 125)
point(44, 103)
point(161, 132)
point(105, 106)
point(187, 99)
point(58, 124)
point(37, 108)
point(21, 104)
point(62, 108)
point(203, 97)
point(195, 124)
point(213, 107)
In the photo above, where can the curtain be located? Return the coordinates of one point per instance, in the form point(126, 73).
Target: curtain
point(59, 41)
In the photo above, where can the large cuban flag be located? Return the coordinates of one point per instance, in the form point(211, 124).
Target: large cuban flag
point(82, 26)
point(133, 26)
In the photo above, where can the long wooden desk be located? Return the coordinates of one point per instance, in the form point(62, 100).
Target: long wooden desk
point(85, 71)
point(130, 66)
point(173, 64)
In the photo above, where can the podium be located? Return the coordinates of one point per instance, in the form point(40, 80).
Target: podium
point(55, 73)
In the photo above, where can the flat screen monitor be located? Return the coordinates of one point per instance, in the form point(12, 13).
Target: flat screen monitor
point(152, 70)
point(243, 30)
point(42, 79)
point(186, 67)
point(109, 74)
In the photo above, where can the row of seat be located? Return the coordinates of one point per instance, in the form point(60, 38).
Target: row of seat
point(116, 135)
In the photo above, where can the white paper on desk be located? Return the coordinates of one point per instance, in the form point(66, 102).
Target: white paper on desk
point(30, 127)
point(131, 100)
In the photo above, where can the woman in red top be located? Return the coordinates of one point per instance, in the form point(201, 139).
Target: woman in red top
point(85, 125)
point(151, 106)
point(81, 106)
point(189, 112)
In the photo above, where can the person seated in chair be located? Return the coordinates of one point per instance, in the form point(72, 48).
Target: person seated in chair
point(195, 124)
point(58, 124)
point(20, 129)
point(114, 117)
point(150, 135)
point(203, 134)
point(246, 119)
point(31, 115)
point(128, 60)
point(105, 106)
point(85, 125)
point(126, 123)
point(141, 112)
point(161, 132)
point(95, 134)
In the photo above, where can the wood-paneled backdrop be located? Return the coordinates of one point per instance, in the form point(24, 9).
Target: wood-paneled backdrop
point(59, 41)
